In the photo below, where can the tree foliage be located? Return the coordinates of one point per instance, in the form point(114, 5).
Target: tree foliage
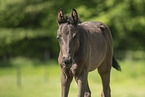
point(23, 21)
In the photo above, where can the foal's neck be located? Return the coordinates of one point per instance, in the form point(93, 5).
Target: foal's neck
point(81, 52)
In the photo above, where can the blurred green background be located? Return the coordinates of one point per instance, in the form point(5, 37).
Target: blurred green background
point(29, 49)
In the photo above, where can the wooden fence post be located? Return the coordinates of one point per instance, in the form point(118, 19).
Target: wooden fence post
point(45, 74)
point(19, 76)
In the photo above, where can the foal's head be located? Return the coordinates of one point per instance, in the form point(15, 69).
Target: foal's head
point(67, 36)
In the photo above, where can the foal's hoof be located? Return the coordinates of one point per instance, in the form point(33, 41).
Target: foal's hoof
point(87, 94)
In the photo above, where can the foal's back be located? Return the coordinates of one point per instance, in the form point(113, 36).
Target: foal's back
point(98, 42)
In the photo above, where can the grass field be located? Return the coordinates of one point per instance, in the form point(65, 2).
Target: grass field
point(44, 81)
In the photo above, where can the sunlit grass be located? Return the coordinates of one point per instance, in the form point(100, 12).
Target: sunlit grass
point(44, 81)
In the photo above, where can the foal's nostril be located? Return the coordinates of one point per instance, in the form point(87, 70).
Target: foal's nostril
point(67, 60)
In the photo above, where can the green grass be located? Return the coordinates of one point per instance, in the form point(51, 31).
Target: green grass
point(44, 81)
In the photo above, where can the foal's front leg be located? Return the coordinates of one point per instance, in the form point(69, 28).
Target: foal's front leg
point(82, 83)
point(66, 79)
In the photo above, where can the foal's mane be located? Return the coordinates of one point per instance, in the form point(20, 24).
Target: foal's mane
point(69, 19)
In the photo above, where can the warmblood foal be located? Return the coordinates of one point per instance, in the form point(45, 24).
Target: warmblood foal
point(83, 48)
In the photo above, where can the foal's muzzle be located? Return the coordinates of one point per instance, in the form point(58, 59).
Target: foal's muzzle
point(67, 61)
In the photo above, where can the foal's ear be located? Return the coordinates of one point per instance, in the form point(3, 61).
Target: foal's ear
point(60, 16)
point(75, 16)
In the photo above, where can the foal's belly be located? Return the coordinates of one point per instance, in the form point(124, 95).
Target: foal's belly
point(93, 66)
point(96, 63)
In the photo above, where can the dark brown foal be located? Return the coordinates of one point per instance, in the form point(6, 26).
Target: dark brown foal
point(84, 47)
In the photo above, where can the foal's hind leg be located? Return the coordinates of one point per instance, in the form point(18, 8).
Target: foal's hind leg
point(104, 71)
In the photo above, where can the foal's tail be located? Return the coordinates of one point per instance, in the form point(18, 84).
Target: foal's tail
point(115, 64)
